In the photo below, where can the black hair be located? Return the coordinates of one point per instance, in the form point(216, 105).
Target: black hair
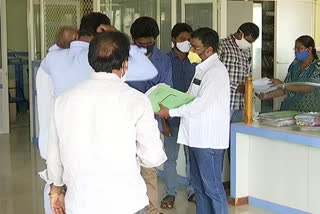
point(248, 29)
point(179, 28)
point(90, 22)
point(144, 27)
point(108, 51)
point(207, 36)
point(307, 41)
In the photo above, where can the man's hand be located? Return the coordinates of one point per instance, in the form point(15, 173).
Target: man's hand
point(57, 204)
point(164, 112)
point(57, 199)
point(106, 28)
point(241, 89)
point(166, 128)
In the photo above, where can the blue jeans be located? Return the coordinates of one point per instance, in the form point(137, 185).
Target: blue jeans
point(206, 176)
point(170, 166)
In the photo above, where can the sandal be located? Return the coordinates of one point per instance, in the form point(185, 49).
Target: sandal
point(192, 198)
point(167, 202)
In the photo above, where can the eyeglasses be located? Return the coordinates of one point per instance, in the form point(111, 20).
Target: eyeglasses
point(144, 44)
point(196, 48)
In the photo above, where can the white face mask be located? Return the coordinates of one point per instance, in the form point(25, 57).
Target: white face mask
point(184, 47)
point(243, 43)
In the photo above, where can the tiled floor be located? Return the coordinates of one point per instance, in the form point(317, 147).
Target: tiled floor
point(21, 188)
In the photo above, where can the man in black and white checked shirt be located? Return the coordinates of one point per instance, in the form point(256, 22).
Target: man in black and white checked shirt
point(234, 53)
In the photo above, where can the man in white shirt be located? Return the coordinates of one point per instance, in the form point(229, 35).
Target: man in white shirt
point(205, 123)
point(63, 68)
point(101, 132)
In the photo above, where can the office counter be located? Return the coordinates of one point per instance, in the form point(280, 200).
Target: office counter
point(275, 168)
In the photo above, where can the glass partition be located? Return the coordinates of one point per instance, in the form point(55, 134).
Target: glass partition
point(199, 14)
point(122, 13)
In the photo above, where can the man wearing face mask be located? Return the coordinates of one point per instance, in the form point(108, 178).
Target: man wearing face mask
point(234, 53)
point(204, 125)
point(101, 131)
point(144, 32)
point(182, 74)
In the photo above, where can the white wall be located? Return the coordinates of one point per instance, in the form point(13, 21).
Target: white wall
point(17, 25)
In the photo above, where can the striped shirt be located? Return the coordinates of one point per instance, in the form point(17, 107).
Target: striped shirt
point(205, 120)
point(238, 64)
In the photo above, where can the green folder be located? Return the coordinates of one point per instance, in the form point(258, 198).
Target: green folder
point(168, 97)
point(279, 115)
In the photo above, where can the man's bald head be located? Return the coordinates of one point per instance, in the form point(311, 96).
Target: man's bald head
point(65, 36)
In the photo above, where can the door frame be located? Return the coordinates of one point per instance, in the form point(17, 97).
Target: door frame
point(4, 70)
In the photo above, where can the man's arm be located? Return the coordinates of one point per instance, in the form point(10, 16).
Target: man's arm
point(240, 88)
point(149, 145)
point(140, 67)
point(54, 165)
point(55, 169)
point(45, 102)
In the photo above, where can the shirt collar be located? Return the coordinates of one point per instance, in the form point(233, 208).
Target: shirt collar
point(80, 44)
point(206, 64)
point(104, 76)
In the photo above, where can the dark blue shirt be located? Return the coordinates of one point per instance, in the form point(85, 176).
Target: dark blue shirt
point(182, 74)
point(162, 62)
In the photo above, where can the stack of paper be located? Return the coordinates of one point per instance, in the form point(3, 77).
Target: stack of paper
point(263, 85)
point(308, 119)
point(168, 97)
point(279, 118)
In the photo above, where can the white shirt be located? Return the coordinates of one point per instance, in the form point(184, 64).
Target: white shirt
point(45, 101)
point(205, 121)
point(66, 68)
point(99, 129)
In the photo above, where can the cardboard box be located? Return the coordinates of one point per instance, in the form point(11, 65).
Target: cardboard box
point(12, 106)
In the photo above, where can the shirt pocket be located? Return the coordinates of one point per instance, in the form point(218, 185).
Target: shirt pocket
point(195, 89)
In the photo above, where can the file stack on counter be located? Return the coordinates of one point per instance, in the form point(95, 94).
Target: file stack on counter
point(309, 121)
point(279, 118)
